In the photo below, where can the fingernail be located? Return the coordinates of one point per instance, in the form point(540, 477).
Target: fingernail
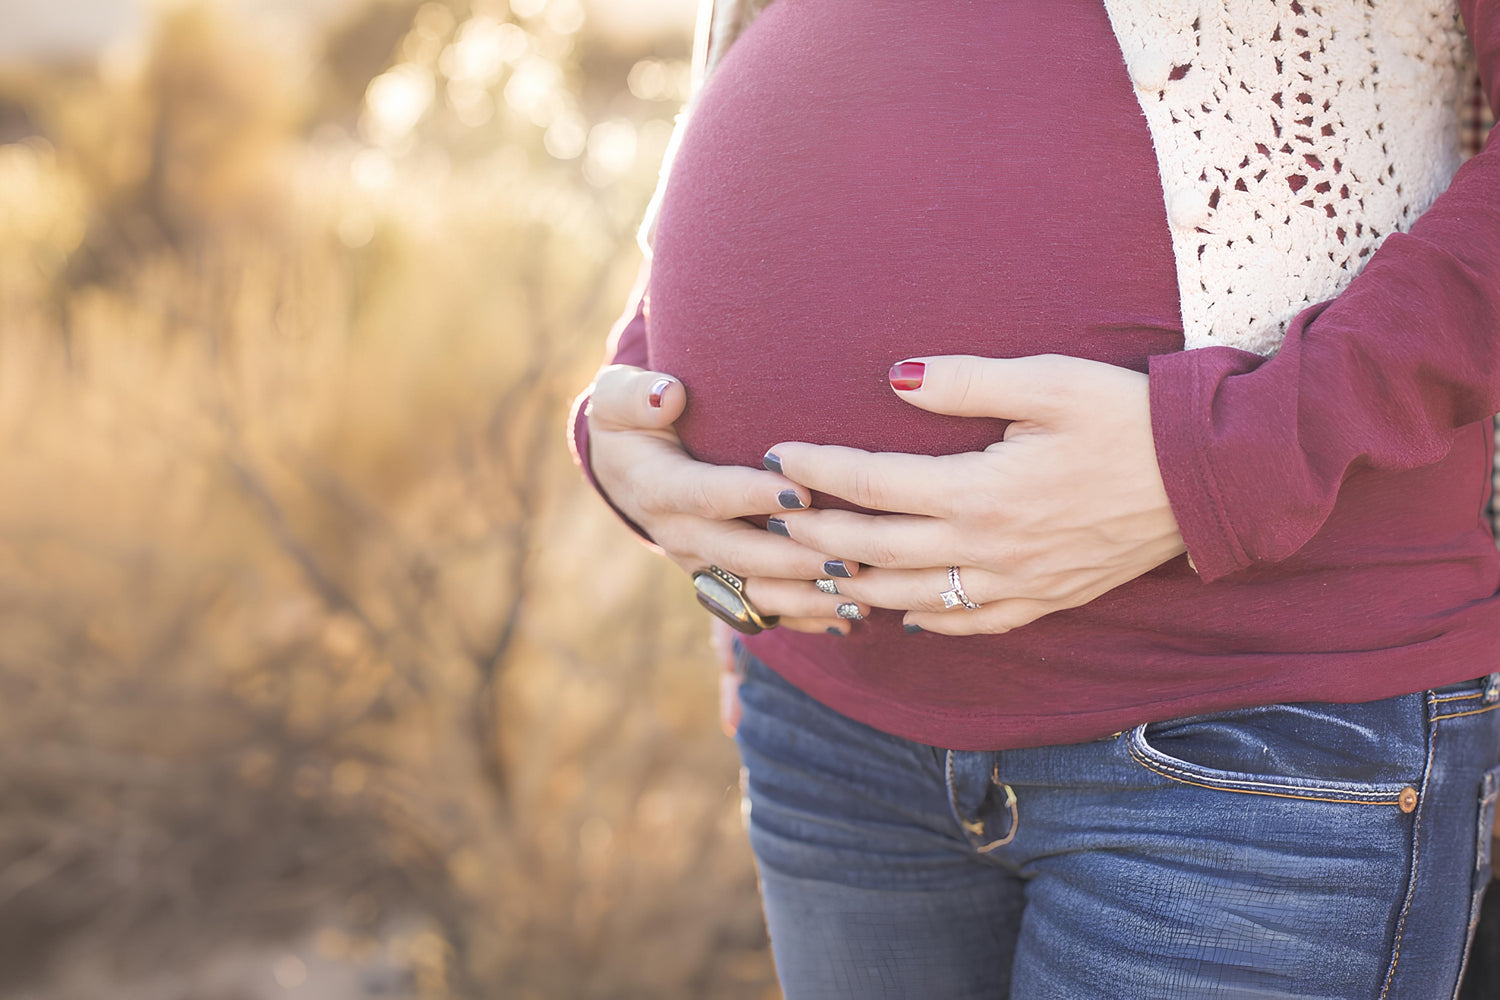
point(771, 462)
point(834, 630)
point(836, 567)
point(850, 612)
point(658, 390)
point(790, 500)
point(911, 629)
point(907, 375)
point(777, 526)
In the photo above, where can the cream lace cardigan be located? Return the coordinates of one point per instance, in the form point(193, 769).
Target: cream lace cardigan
point(1292, 137)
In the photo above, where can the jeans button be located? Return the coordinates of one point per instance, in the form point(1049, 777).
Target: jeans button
point(1407, 800)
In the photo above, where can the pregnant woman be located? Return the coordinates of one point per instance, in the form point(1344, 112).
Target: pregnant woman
point(1083, 408)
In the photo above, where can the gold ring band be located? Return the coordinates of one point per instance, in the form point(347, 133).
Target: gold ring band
point(723, 594)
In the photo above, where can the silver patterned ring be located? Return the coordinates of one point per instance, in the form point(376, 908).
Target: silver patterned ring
point(954, 596)
point(826, 585)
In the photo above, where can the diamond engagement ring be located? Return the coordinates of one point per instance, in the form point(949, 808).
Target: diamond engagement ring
point(954, 596)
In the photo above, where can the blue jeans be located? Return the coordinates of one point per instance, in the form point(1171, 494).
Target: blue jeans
point(1308, 850)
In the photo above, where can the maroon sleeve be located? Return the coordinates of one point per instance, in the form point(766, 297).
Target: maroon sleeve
point(1253, 450)
point(626, 346)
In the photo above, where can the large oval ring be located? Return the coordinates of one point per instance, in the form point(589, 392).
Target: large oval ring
point(723, 594)
point(954, 595)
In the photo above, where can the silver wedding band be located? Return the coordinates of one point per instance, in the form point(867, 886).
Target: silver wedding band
point(954, 596)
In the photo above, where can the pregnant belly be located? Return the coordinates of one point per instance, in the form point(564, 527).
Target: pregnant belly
point(865, 182)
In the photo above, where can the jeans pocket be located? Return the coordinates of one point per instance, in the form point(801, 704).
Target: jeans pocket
point(1366, 753)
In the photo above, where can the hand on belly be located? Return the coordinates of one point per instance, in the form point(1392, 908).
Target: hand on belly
point(694, 511)
point(1067, 507)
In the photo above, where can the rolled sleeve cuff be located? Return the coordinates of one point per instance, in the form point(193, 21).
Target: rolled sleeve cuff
point(1180, 421)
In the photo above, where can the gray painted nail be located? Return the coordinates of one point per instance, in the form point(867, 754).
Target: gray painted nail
point(771, 462)
point(911, 629)
point(836, 567)
point(777, 526)
point(790, 500)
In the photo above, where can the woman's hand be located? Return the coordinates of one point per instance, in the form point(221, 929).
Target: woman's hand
point(692, 509)
point(1068, 506)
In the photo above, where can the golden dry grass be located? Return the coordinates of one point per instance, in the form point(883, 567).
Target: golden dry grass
point(315, 644)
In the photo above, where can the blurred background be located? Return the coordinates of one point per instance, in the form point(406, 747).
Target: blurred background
point(311, 684)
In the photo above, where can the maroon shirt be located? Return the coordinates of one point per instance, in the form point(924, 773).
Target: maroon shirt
point(864, 183)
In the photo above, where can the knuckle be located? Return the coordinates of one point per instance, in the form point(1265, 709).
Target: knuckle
point(928, 603)
point(670, 536)
point(961, 505)
point(721, 498)
point(847, 592)
point(966, 383)
point(879, 553)
point(700, 499)
point(614, 375)
point(1055, 393)
point(993, 625)
point(989, 483)
point(610, 390)
point(758, 593)
point(865, 488)
point(650, 492)
point(740, 559)
point(964, 505)
point(718, 507)
point(1054, 399)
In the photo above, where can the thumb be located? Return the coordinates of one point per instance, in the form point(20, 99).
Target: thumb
point(1036, 389)
point(626, 398)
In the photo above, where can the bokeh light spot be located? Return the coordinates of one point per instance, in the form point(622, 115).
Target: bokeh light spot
point(395, 102)
point(567, 136)
point(289, 971)
point(528, 8)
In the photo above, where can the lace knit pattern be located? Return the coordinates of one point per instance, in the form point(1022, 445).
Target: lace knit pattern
point(1285, 159)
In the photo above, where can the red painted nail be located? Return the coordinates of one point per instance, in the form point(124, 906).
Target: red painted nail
point(907, 375)
point(658, 389)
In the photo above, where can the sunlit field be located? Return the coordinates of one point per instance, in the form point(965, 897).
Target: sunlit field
point(324, 676)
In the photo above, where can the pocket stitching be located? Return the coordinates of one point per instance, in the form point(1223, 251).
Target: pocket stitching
point(1459, 715)
point(1464, 696)
point(1170, 767)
